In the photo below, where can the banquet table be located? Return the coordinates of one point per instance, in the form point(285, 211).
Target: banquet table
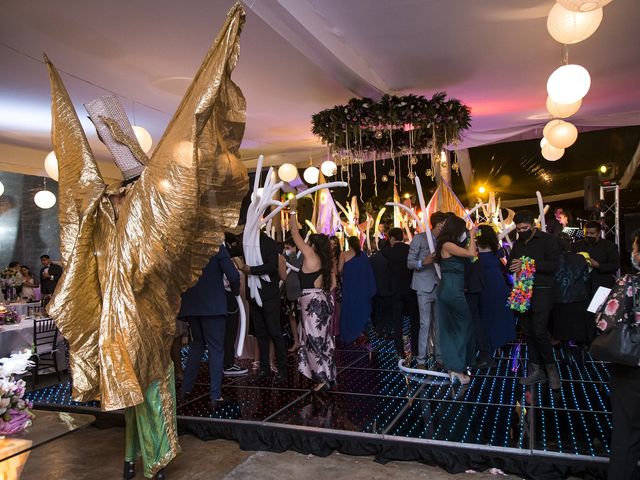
point(22, 309)
point(19, 336)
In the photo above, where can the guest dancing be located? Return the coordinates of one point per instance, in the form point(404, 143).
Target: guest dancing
point(358, 289)
point(457, 342)
point(497, 319)
point(317, 349)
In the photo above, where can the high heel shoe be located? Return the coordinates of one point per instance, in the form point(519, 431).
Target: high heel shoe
point(129, 470)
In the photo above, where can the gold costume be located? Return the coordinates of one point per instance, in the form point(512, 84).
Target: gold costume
point(126, 268)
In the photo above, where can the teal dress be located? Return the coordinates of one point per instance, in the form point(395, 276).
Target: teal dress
point(457, 342)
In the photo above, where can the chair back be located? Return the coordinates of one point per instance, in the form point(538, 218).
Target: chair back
point(45, 332)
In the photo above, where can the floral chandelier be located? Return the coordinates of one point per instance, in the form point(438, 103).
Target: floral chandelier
point(390, 128)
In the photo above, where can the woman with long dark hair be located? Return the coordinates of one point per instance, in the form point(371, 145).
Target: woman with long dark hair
point(457, 341)
point(497, 319)
point(316, 355)
point(336, 293)
point(358, 289)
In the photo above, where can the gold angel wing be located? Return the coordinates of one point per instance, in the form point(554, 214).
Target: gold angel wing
point(80, 189)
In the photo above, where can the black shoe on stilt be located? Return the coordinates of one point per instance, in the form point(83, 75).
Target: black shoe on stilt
point(129, 470)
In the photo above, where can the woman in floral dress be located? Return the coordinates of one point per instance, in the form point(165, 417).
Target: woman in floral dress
point(317, 348)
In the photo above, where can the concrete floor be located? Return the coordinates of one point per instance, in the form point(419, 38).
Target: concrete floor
point(94, 453)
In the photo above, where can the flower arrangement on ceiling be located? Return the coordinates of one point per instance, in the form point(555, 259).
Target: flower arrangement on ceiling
point(390, 128)
point(383, 126)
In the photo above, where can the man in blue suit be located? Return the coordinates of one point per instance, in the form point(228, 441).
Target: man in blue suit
point(204, 306)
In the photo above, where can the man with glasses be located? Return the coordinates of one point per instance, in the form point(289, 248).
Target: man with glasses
point(544, 249)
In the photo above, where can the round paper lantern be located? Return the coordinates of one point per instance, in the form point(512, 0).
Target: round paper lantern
point(44, 199)
point(311, 175)
point(51, 165)
point(568, 84)
point(287, 172)
point(551, 153)
point(549, 126)
point(562, 110)
point(1, 188)
point(328, 168)
point(583, 5)
point(570, 27)
point(543, 142)
point(562, 135)
point(144, 138)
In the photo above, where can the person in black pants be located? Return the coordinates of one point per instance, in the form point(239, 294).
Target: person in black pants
point(405, 301)
point(544, 249)
point(473, 285)
point(231, 368)
point(383, 300)
point(204, 306)
point(266, 318)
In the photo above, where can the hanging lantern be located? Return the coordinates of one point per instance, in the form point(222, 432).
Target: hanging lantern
point(562, 110)
point(549, 126)
point(568, 84)
point(562, 135)
point(384, 178)
point(311, 175)
point(583, 5)
point(569, 27)
point(551, 153)
point(378, 134)
point(144, 138)
point(287, 172)
point(51, 165)
point(392, 173)
point(363, 176)
point(44, 199)
point(328, 168)
point(543, 142)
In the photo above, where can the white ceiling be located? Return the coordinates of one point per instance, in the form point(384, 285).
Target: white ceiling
point(301, 56)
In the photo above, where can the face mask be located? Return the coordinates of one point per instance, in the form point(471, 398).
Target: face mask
point(288, 252)
point(235, 251)
point(462, 238)
point(590, 240)
point(524, 235)
point(635, 264)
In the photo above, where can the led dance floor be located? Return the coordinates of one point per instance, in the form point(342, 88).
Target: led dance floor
point(376, 409)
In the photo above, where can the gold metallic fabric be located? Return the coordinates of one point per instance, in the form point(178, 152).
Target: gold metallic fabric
point(127, 263)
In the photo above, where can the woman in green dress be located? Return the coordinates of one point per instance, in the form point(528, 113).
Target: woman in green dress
point(457, 342)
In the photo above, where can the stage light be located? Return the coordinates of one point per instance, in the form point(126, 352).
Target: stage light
point(482, 189)
point(603, 169)
point(290, 195)
point(407, 196)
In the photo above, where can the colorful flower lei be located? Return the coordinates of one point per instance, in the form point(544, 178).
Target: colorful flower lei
point(520, 297)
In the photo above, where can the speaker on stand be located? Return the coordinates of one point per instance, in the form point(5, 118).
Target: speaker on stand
point(591, 193)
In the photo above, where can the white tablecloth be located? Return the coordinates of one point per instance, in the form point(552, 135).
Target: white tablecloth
point(19, 336)
point(22, 309)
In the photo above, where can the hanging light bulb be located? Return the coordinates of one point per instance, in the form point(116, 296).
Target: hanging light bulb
point(1, 188)
point(311, 175)
point(44, 198)
point(569, 27)
point(51, 165)
point(551, 153)
point(384, 178)
point(562, 135)
point(328, 168)
point(144, 138)
point(583, 5)
point(543, 142)
point(287, 172)
point(568, 83)
point(562, 110)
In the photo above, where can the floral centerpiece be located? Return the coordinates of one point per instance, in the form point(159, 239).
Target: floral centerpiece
point(11, 278)
point(15, 411)
point(520, 297)
point(8, 316)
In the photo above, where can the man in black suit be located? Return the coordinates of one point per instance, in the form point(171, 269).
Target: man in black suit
point(266, 318)
point(49, 275)
point(405, 301)
point(604, 258)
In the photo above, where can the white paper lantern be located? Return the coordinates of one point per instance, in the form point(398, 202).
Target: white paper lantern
point(568, 84)
point(1, 188)
point(562, 110)
point(44, 199)
point(551, 153)
point(543, 142)
point(549, 126)
point(583, 5)
point(311, 175)
point(287, 172)
point(51, 165)
point(329, 168)
point(144, 138)
point(570, 27)
point(562, 135)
